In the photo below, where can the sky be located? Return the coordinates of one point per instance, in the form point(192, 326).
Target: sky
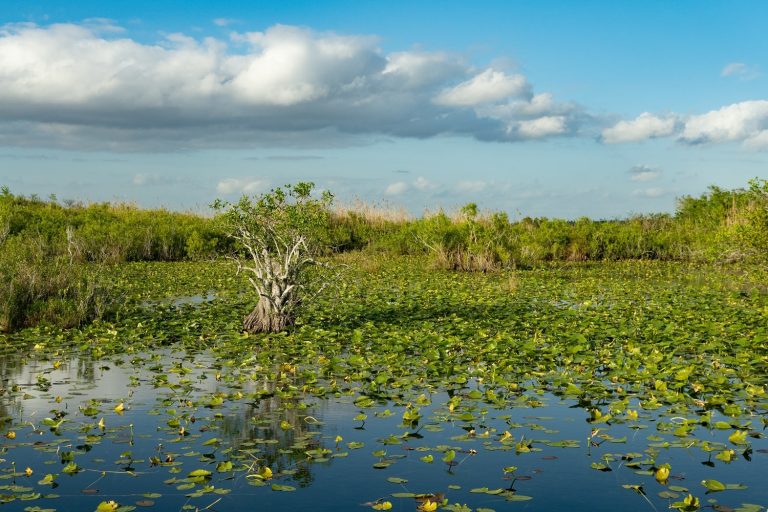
point(550, 108)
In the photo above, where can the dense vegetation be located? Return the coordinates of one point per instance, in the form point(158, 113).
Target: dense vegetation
point(632, 385)
point(38, 238)
point(638, 381)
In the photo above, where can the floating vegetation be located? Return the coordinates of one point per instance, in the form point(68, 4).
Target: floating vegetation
point(409, 389)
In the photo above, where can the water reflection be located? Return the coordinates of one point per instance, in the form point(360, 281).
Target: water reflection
point(139, 426)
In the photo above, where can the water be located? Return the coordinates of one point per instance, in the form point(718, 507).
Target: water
point(141, 458)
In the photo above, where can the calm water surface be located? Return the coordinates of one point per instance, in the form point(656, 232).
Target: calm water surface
point(142, 457)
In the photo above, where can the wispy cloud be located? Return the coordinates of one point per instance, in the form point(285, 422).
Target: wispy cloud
point(652, 192)
point(395, 189)
point(740, 70)
point(422, 183)
point(471, 186)
point(643, 173)
point(241, 185)
point(289, 158)
point(224, 22)
point(143, 179)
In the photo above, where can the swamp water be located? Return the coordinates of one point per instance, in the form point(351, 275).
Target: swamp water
point(164, 431)
point(571, 388)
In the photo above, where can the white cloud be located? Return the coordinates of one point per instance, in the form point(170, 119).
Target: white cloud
point(645, 126)
point(746, 122)
point(734, 68)
point(490, 86)
point(642, 173)
point(86, 86)
point(142, 179)
point(537, 117)
point(223, 22)
point(471, 186)
point(650, 192)
point(542, 126)
point(757, 141)
point(422, 69)
point(241, 185)
point(397, 188)
point(740, 70)
point(422, 183)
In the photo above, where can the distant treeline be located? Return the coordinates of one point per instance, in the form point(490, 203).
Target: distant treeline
point(725, 225)
point(54, 256)
point(720, 225)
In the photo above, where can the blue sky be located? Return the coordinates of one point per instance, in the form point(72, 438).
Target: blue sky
point(559, 109)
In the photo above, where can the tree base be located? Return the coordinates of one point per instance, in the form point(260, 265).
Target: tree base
point(265, 319)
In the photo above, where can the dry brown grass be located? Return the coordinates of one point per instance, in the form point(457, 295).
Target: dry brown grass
point(374, 213)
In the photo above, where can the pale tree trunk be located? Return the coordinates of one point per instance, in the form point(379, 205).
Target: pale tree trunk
point(266, 318)
point(276, 311)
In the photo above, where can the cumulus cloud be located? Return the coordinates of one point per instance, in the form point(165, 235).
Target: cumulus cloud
point(643, 173)
point(241, 185)
point(89, 86)
point(542, 126)
point(538, 116)
point(746, 122)
point(490, 86)
point(396, 189)
point(645, 126)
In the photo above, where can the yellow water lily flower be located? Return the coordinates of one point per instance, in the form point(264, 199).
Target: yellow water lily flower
point(662, 474)
point(265, 473)
point(101, 424)
point(383, 505)
point(10, 434)
point(338, 439)
point(107, 506)
point(428, 506)
point(631, 415)
point(28, 471)
point(120, 407)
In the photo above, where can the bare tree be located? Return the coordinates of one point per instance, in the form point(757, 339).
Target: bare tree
point(280, 233)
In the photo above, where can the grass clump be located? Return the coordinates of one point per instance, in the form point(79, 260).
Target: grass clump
point(41, 284)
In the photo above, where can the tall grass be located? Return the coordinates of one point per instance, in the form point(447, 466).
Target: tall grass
point(113, 232)
point(41, 285)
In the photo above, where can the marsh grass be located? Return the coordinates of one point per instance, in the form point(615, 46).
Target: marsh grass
point(40, 284)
